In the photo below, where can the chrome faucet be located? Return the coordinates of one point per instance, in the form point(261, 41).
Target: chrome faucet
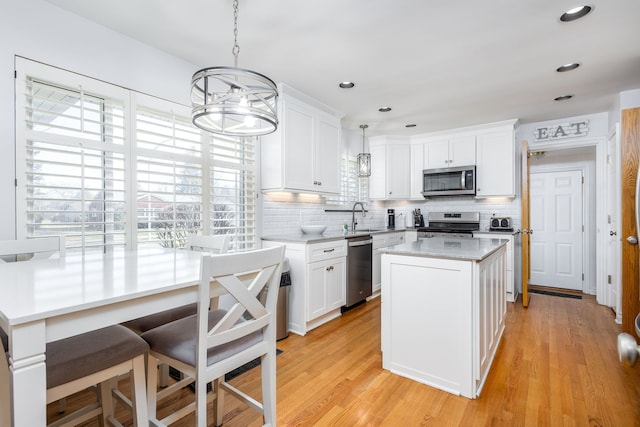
point(353, 215)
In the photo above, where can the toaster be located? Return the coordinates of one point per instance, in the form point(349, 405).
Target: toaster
point(500, 223)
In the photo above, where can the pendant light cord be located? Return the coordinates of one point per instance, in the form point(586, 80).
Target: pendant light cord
point(236, 47)
point(363, 127)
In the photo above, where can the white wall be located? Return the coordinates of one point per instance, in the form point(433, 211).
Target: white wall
point(42, 32)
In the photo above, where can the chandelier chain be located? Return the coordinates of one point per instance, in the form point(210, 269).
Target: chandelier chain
point(236, 47)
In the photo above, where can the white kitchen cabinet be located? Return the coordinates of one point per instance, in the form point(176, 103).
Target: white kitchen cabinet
point(303, 155)
point(451, 151)
point(327, 287)
point(318, 282)
point(410, 236)
point(495, 164)
point(418, 162)
point(382, 240)
point(492, 309)
point(390, 168)
point(512, 292)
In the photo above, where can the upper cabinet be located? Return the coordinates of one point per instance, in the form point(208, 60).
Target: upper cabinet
point(495, 164)
point(418, 162)
point(390, 168)
point(303, 155)
point(451, 151)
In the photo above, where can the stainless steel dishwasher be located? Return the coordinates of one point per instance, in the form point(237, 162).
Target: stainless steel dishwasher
point(359, 267)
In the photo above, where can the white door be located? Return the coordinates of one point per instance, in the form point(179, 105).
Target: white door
point(555, 200)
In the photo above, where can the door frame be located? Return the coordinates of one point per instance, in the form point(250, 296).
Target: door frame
point(583, 168)
point(600, 144)
point(614, 255)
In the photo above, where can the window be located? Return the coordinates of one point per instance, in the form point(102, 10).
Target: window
point(108, 167)
point(169, 173)
point(352, 187)
point(233, 190)
point(71, 163)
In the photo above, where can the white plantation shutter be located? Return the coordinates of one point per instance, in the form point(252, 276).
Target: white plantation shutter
point(70, 160)
point(169, 174)
point(109, 167)
point(233, 190)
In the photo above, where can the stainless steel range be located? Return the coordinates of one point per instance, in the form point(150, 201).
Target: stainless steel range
point(450, 224)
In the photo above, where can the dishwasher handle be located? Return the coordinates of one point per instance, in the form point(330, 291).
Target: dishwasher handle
point(360, 242)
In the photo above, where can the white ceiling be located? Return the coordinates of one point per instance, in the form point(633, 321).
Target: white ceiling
point(438, 64)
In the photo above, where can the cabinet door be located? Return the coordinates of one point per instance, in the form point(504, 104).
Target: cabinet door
point(417, 166)
point(327, 154)
point(462, 151)
point(377, 181)
point(393, 239)
point(509, 282)
point(379, 241)
point(495, 166)
point(317, 304)
point(298, 145)
point(398, 171)
point(336, 283)
point(437, 154)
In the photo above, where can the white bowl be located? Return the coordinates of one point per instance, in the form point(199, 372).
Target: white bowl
point(313, 229)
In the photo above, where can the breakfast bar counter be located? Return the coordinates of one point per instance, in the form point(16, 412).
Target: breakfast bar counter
point(443, 310)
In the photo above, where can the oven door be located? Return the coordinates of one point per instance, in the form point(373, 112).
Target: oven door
point(449, 181)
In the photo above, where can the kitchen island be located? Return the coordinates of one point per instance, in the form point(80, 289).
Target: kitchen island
point(443, 310)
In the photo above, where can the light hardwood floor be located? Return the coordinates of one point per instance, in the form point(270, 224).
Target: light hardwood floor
point(557, 365)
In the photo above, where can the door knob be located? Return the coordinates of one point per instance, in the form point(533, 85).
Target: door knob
point(627, 349)
point(632, 240)
point(613, 233)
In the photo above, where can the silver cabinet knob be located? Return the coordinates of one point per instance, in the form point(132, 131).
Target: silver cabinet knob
point(632, 240)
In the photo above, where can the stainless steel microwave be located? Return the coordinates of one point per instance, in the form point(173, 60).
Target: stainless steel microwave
point(458, 181)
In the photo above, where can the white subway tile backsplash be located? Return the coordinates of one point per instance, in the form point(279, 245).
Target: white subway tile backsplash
point(285, 214)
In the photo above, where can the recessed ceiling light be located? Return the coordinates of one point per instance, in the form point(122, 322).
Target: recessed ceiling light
point(346, 85)
point(575, 13)
point(384, 109)
point(563, 98)
point(410, 125)
point(567, 67)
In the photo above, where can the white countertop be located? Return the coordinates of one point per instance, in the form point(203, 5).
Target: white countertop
point(300, 237)
point(469, 249)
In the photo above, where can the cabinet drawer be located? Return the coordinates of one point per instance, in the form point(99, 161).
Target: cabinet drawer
point(379, 241)
point(326, 250)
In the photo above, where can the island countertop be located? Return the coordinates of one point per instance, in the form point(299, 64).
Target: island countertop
point(456, 248)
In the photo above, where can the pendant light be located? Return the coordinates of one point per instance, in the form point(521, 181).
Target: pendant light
point(234, 101)
point(364, 159)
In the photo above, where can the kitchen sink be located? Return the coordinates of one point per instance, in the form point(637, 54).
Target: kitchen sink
point(361, 231)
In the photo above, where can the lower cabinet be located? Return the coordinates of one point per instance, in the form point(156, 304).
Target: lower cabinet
point(326, 287)
point(318, 282)
point(512, 292)
point(492, 309)
point(382, 241)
